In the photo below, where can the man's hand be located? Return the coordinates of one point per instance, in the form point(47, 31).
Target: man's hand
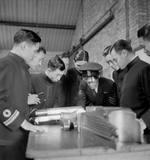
point(33, 128)
point(33, 99)
point(41, 129)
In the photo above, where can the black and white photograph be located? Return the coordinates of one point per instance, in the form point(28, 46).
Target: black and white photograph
point(74, 79)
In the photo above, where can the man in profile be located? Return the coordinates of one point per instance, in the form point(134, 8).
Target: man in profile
point(144, 35)
point(117, 74)
point(65, 58)
point(14, 89)
point(135, 93)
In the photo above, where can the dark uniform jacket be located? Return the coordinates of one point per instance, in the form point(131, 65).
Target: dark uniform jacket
point(14, 89)
point(118, 79)
point(69, 89)
point(136, 89)
point(105, 96)
point(46, 89)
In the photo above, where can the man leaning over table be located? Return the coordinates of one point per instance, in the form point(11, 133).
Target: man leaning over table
point(46, 84)
point(95, 89)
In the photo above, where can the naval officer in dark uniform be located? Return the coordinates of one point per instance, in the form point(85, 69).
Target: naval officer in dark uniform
point(14, 89)
point(135, 92)
point(95, 89)
point(118, 74)
point(70, 82)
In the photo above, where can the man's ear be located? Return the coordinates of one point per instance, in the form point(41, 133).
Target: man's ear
point(124, 52)
point(23, 45)
point(47, 69)
point(100, 74)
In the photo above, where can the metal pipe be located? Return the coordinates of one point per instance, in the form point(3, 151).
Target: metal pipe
point(127, 19)
point(39, 25)
point(99, 28)
point(93, 33)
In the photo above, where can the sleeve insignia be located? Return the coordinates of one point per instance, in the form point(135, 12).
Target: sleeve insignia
point(6, 113)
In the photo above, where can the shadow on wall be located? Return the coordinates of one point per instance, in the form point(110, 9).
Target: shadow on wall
point(3, 53)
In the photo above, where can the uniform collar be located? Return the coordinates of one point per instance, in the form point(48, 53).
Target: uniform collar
point(132, 63)
point(46, 78)
point(19, 60)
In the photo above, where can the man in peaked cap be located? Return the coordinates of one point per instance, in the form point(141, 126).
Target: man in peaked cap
point(97, 90)
point(91, 66)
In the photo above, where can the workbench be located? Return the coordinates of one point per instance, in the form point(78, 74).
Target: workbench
point(59, 144)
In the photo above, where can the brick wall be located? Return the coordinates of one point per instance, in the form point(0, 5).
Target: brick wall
point(3, 53)
point(129, 16)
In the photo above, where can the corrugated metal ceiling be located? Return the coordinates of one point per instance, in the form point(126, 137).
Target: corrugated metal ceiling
point(53, 12)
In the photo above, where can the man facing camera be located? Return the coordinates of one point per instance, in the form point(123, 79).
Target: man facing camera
point(95, 89)
point(135, 93)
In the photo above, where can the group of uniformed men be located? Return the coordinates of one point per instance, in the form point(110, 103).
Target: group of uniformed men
point(60, 86)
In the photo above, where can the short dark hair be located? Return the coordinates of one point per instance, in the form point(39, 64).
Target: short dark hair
point(56, 63)
point(42, 49)
point(144, 32)
point(64, 55)
point(106, 51)
point(81, 55)
point(122, 45)
point(26, 35)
